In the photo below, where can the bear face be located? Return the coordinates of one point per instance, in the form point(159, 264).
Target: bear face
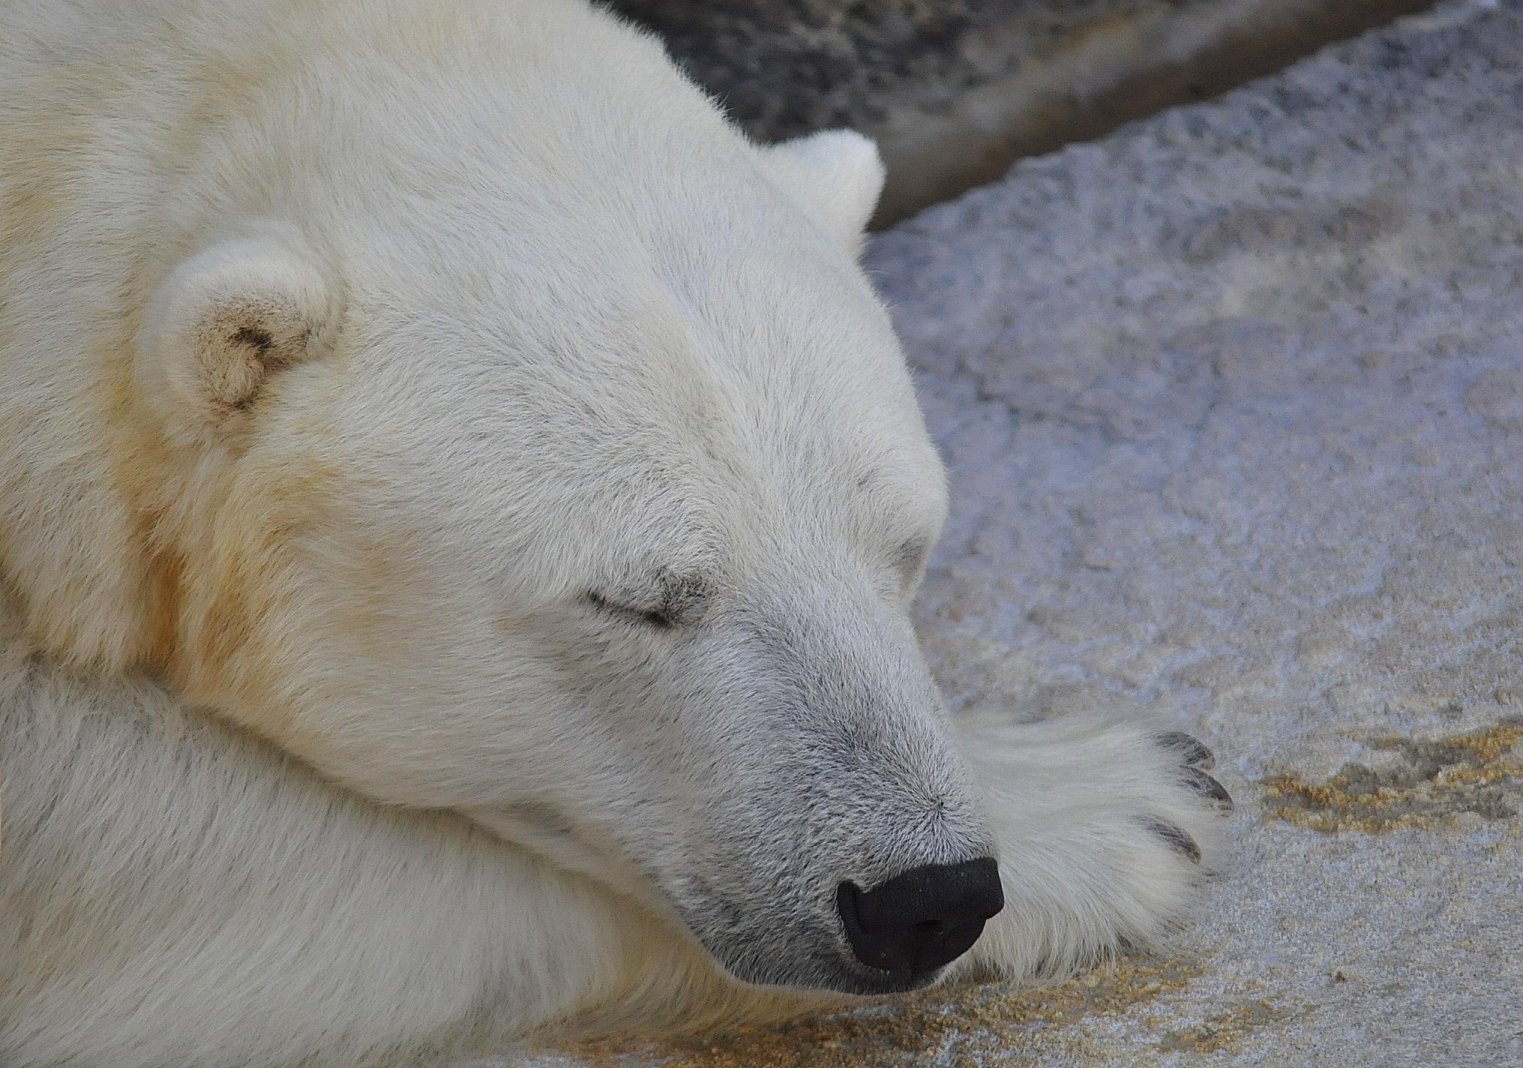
point(619, 565)
point(574, 482)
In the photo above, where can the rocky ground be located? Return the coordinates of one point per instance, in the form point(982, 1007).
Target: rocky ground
point(1233, 403)
point(956, 90)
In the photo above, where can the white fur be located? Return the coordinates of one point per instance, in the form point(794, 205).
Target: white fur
point(836, 176)
point(173, 892)
point(1074, 801)
point(442, 392)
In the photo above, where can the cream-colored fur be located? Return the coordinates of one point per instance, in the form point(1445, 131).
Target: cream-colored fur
point(173, 891)
point(443, 394)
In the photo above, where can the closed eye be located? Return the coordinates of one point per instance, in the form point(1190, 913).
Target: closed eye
point(661, 618)
point(664, 600)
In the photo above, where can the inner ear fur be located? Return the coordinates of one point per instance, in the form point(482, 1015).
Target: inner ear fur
point(225, 321)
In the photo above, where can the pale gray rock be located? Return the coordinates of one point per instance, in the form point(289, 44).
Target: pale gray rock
point(1233, 403)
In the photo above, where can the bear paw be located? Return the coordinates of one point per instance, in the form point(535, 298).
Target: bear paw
point(1105, 832)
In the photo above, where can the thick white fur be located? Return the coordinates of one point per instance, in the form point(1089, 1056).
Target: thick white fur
point(838, 176)
point(175, 892)
point(445, 395)
point(1067, 798)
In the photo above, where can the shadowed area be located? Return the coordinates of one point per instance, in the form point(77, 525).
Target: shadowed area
point(957, 90)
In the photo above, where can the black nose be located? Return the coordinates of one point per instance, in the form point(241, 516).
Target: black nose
point(922, 919)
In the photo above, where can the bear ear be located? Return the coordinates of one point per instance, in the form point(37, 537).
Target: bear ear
point(224, 322)
point(835, 175)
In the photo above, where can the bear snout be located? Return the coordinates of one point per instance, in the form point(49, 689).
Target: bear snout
point(922, 919)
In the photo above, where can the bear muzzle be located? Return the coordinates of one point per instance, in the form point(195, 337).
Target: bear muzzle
point(920, 920)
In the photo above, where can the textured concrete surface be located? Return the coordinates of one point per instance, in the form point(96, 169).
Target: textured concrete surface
point(956, 90)
point(1234, 407)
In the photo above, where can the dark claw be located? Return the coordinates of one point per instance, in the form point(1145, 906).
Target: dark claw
point(1176, 837)
point(1205, 785)
point(1189, 748)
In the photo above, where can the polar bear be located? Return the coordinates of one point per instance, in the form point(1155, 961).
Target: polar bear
point(459, 507)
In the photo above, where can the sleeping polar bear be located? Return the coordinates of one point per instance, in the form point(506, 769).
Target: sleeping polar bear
point(459, 506)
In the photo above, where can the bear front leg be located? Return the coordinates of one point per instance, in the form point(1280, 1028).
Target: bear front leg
point(174, 892)
point(1104, 831)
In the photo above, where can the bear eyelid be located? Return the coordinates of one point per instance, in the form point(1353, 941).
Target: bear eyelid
point(667, 601)
point(661, 618)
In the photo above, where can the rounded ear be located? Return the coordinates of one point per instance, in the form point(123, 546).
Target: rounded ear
point(835, 175)
point(226, 320)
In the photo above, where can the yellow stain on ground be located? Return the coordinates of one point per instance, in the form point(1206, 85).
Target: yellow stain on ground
point(1427, 784)
point(1223, 1030)
point(964, 1027)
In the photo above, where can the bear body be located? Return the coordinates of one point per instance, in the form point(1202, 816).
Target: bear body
point(459, 507)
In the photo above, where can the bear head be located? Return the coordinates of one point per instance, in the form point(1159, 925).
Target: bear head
point(561, 470)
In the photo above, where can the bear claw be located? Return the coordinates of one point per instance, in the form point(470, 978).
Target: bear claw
point(1191, 750)
point(1176, 836)
point(1206, 786)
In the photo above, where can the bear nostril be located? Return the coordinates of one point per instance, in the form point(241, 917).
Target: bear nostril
point(922, 919)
